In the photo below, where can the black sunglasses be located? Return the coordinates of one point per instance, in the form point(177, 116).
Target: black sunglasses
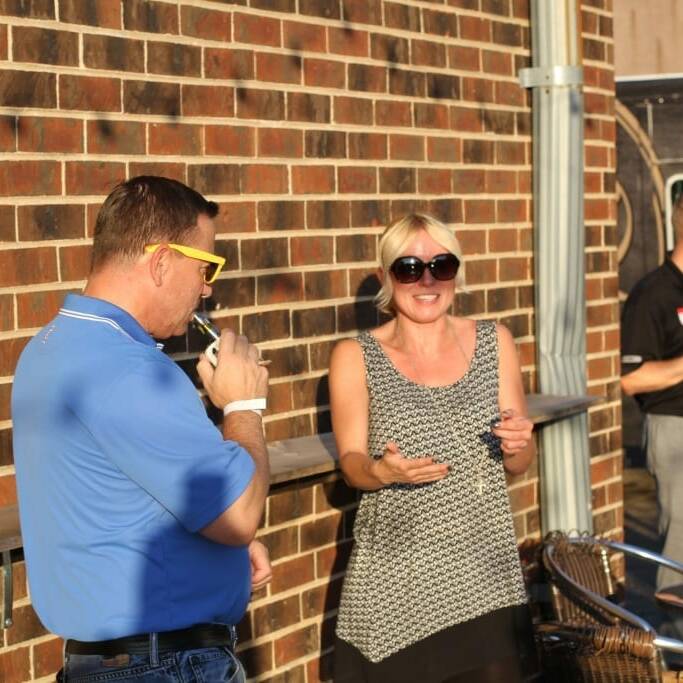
point(407, 269)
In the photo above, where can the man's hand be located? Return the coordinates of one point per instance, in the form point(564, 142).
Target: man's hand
point(261, 572)
point(238, 376)
point(394, 468)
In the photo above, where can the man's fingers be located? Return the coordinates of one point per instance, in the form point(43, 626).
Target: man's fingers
point(204, 369)
point(417, 463)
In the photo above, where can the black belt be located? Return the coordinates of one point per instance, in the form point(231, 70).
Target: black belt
point(193, 638)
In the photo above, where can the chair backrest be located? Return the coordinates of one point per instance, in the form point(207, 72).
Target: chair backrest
point(600, 654)
point(588, 565)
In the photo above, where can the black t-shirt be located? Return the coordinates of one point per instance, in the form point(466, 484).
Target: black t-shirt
point(652, 329)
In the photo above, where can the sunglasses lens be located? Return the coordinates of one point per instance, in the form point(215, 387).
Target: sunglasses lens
point(210, 273)
point(444, 266)
point(407, 269)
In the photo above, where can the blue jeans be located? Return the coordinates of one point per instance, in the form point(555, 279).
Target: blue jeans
point(207, 665)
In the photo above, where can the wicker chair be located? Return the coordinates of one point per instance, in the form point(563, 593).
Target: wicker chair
point(593, 638)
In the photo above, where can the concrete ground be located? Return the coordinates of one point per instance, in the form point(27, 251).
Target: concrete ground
point(640, 521)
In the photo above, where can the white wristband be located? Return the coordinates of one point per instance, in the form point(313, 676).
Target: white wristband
point(255, 404)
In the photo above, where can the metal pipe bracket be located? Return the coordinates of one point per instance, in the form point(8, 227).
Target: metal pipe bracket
point(551, 76)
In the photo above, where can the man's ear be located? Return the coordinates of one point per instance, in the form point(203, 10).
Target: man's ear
point(159, 263)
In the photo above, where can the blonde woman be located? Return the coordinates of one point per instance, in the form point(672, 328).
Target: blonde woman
point(428, 412)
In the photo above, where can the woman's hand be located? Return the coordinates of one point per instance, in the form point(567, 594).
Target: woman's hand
point(514, 432)
point(394, 468)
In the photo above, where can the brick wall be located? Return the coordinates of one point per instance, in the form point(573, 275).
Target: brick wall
point(312, 123)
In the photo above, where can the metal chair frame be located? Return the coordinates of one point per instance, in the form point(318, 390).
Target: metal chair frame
point(597, 608)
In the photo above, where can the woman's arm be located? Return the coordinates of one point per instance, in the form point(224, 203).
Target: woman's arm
point(514, 429)
point(349, 403)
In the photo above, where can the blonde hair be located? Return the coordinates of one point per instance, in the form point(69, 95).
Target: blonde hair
point(395, 238)
point(677, 218)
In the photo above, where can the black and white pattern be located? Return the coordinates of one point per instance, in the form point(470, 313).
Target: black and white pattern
point(427, 557)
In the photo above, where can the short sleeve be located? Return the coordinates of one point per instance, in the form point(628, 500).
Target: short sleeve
point(639, 333)
point(154, 428)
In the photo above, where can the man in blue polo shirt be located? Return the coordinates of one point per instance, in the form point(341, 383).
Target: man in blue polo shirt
point(138, 515)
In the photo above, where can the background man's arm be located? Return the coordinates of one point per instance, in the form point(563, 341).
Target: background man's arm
point(653, 375)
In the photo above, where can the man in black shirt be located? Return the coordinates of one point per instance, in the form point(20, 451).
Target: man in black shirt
point(652, 371)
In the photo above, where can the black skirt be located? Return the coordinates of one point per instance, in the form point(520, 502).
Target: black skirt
point(476, 650)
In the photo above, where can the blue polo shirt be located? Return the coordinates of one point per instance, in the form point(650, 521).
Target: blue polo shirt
point(118, 467)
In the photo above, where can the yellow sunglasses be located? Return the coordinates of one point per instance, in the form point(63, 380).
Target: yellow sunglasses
point(215, 262)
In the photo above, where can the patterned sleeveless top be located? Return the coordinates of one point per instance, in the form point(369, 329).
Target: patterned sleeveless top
point(427, 557)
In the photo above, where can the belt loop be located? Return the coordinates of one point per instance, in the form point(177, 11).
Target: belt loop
point(233, 636)
point(154, 649)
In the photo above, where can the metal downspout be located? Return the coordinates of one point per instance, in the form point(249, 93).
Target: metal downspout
point(556, 79)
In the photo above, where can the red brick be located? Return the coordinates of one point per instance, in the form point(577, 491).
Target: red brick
point(480, 211)
point(215, 178)
point(348, 41)
point(236, 217)
point(257, 660)
point(174, 138)
point(407, 147)
point(8, 133)
point(428, 53)
point(514, 269)
point(276, 615)
point(325, 285)
point(46, 222)
point(463, 58)
point(362, 11)
point(26, 625)
point(44, 46)
point(496, 62)
point(332, 560)
point(443, 150)
point(173, 59)
point(204, 23)
point(37, 9)
point(312, 251)
point(301, 36)
point(15, 665)
point(478, 90)
point(5, 394)
point(280, 288)
point(260, 104)
point(256, 29)
point(367, 146)
point(229, 140)
point(428, 115)
point(280, 142)
point(440, 23)
point(3, 41)
point(472, 241)
point(116, 137)
point(297, 644)
point(228, 64)
point(391, 49)
point(500, 182)
point(7, 224)
point(150, 16)
point(28, 89)
point(30, 178)
point(510, 94)
point(6, 323)
point(367, 78)
point(208, 100)
point(281, 215)
point(278, 68)
point(88, 93)
point(149, 97)
point(434, 180)
point(114, 53)
point(37, 134)
point(302, 106)
point(321, 215)
point(353, 110)
point(503, 240)
point(511, 211)
point(100, 13)
point(74, 262)
point(313, 179)
point(93, 177)
point(292, 573)
point(474, 28)
point(466, 119)
point(356, 179)
point(393, 113)
point(324, 73)
point(10, 349)
point(48, 657)
point(264, 179)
